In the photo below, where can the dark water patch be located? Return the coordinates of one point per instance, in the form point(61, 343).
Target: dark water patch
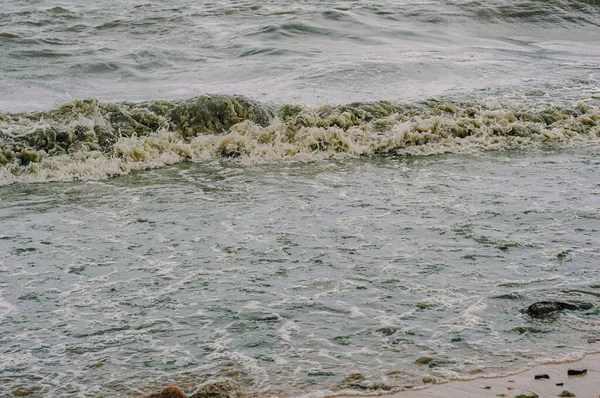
point(268, 51)
point(76, 28)
point(509, 296)
point(112, 24)
point(338, 15)
point(7, 36)
point(556, 12)
point(101, 67)
point(59, 11)
point(102, 332)
point(295, 29)
point(43, 53)
point(24, 250)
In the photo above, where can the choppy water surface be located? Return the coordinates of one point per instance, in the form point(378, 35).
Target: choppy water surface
point(283, 194)
point(289, 278)
point(288, 51)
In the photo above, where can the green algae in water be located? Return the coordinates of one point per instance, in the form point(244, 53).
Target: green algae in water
point(566, 393)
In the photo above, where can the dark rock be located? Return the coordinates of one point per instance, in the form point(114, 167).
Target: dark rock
point(371, 387)
point(544, 309)
point(560, 384)
point(541, 376)
point(423, 360)
point(576, 371)
point(357, 381)
point(169, 392)
point(388, 331)
point(438, 362)
point(353, 378)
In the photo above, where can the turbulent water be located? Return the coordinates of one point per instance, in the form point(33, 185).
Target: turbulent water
point(294, 198)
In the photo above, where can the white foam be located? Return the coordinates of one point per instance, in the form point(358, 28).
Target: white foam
point(6, 308)
point(285, 331)
point(356, 313)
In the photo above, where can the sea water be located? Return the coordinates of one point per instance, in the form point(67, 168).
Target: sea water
point(294, 198)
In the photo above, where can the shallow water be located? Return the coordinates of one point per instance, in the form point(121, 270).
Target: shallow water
point(289, 278)
point(285, 194)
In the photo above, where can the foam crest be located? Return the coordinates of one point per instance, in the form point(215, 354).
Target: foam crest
point(86, 140)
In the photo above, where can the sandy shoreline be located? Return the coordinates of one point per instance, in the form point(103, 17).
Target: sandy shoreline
point(586, 386)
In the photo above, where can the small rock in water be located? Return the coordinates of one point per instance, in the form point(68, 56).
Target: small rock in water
point(353, 378)
point(423, 360)
point(543, 309)
point(218, 389)
point(169, 392)
point(541, 376)
point(429, 379)
point(576, 371)
point(527, 329)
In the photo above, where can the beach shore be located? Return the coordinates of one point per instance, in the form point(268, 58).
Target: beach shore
point(584, 386)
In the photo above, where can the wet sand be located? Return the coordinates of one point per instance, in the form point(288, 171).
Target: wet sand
point(585, 386)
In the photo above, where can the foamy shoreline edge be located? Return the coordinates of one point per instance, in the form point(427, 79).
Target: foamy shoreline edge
point(511, 385)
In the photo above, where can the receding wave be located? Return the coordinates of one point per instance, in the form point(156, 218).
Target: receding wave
point(90, 139)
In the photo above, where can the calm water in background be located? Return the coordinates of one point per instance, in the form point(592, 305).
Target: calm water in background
point(286, 278)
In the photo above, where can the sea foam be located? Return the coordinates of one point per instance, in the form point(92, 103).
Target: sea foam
point(88, 140)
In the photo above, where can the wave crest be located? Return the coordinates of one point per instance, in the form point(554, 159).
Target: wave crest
point(90, 139)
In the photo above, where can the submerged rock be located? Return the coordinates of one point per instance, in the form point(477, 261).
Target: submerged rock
point(169, 392)
point(543, 309)
point(527, 329)
point(357, 381)
point(353, 378)
point(423, 360)
point(218, 389)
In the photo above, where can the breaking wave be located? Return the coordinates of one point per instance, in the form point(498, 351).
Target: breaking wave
point(90, 139)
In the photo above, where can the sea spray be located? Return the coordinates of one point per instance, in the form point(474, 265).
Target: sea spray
point(90, 139)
